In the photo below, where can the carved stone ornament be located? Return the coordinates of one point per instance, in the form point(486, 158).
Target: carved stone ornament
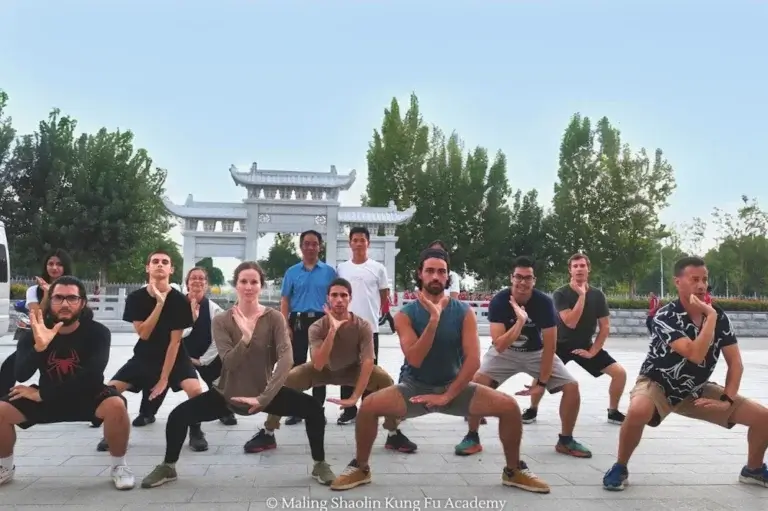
point(320, 220)
point(264, 218)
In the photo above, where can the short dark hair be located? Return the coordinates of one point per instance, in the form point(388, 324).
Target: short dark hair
point(338, 281)
point(684, 262)
point(360, 230)
point(577, 257)
point(86, 314)
point(523, 262)
point(312, 232)
point(159, 252)
point(249, 265)
point(439, 243)
point(433, 253)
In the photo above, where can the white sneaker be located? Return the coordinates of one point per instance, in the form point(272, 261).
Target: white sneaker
point(123, 478)
point(6, 476)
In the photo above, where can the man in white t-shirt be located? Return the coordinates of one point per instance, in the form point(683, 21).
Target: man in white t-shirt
point(370, 289)
point(455, 288)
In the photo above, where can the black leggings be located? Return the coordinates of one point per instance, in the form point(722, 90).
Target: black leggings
point(211, 405)
point(8, 374)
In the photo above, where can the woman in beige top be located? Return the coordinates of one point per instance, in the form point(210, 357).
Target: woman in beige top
point(256, 356)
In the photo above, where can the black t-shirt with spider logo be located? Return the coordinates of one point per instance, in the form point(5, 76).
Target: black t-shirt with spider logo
point(71, 367)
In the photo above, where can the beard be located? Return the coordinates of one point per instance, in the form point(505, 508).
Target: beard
point(70, 320)
point(435, 288)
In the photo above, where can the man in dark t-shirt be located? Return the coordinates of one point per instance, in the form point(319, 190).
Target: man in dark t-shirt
point(159, 314)
point(583, 309)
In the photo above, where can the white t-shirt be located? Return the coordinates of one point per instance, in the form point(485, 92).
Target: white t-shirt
point(31, 294)
point(367, 280)
point(455, 284)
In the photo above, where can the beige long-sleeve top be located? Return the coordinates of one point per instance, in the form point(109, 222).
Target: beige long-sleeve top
point(257, 368)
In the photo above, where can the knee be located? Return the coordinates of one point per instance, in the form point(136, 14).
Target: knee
point(640, 411)
point(482, 379)
point(508, 405)
point(571, 389)
point(112, 407)
point(617, 371)
point(193, 388)
point(370, 405)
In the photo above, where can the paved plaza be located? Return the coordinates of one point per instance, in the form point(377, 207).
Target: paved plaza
point(682, 465)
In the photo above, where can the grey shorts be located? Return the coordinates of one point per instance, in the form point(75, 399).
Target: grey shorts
point(410, 388)
point(499, 367)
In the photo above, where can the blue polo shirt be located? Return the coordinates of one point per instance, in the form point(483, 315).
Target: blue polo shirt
point(305, 289)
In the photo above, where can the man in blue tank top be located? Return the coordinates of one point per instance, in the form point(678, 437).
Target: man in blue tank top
point(438, 336)
point(524, 334)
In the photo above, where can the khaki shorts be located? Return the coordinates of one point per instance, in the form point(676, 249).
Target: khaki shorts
point(644, 386)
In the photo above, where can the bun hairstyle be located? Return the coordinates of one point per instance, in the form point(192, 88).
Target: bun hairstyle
point(432, 253)
point(248, 265)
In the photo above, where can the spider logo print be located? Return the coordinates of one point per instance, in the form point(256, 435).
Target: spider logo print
point(63, 366)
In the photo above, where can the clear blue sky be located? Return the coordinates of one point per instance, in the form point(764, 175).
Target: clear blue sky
point(301, 85)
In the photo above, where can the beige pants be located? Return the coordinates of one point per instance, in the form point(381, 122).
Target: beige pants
point(305, 377)
point(653, 391)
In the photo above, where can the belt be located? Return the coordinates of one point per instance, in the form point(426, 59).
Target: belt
point(309, 314)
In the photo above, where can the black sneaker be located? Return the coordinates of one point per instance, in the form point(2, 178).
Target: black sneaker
point(229, 420)
point(347, 416)
point(143, 420)
point(615, 417)
point(290, 421)
point(260, 442)
point(197, 441)
point(529, 416)
point(400, 443)
point(103, 446)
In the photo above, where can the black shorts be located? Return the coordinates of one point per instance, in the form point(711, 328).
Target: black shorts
point(80, 409)
point(142, 375)
point(593, 366)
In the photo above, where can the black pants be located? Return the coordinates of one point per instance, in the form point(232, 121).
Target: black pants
point(8, 374)
point(387, 318)
point(648, 324)
point(208, 373)
point(211, 405)
point(300, 324)
point(347, 391)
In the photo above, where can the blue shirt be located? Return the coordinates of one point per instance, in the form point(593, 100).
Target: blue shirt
point(443, 362)
point(541, 315)
point(307, 290)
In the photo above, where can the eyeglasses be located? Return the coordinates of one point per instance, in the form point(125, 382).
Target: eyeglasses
point(70, 299)
point(523, 278)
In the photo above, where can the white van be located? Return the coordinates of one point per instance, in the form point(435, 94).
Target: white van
point(5, 285)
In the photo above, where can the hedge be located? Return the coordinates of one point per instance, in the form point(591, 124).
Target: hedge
point(725, 303)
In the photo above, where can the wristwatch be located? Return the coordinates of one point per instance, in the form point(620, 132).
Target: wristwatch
point(541, 383)
point(725, 397)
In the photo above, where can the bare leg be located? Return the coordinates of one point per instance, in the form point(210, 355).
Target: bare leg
point(474, 420)
point(754, 416)
point(618, 383)
point(492, 403)
point(9, 417)
point(639, 413)
point(387, 402)
point(535, 400)
point(117, 425)
point(569, 408)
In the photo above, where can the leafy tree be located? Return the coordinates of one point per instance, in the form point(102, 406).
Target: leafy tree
point(527, 235)
point(133, 268)
point(215, 275)
point(492, 244)
point(282, 255)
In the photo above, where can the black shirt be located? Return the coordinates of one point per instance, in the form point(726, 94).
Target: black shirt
point(199, 339)
point(678, 376)
point(72, 366)
point(595, 307)
point(176, 315)
point(541, 315)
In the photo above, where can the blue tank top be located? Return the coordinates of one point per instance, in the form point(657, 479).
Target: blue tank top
point(443, 362)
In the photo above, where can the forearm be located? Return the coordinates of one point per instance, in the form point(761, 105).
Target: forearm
point(547, 361)
point(149, 324)
point(322, 354)
point(170, 358)
point(704, 340)
point(602, 336)
point(419, 350)
point(505, 340)
point(366, 369)
point(733, 380)
point(573, 317)
point(469, 367)
point(285, 308)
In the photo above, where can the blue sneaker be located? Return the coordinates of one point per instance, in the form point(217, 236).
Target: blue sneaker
point(616, 478)
point(759, 476)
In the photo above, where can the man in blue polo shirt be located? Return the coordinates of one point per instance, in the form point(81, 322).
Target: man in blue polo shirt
point(304, 294)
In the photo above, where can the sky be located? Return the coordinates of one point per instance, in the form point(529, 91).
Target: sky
point(301, 85)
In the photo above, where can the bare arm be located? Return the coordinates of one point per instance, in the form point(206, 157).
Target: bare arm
point(695, 350)
point(415, 348)
point(283, 365)
point(470, 343)
point(285, 307)
point(383, 298)
point(503, 338)
point(33, 307)
point(170, 354)
point(733, 375)
point(321, 348)
point(571, 317)
point(604, 326)
point(549, 341)
point(146, 327)
point(367, 354)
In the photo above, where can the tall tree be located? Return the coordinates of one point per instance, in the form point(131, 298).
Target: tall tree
point(282, 255)
point(133, 268)
point(215, 275)
point(492, 250)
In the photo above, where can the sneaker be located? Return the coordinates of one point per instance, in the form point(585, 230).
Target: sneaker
point(529, 416)
point(470, 445)
point(197, 441)
point(229, 420)
point(523, 478)
point(260, 442)
point(159, 476)
point(573, 448)
point(322, 473)
point(616, 478)
point(758, 476)
point(347, 416)
point(400, 443)
point(352, 477)
point(123, 478)
point(102, 446)
point(6, 475)
point(290, 421)
point(615, 417)
point(143, 420)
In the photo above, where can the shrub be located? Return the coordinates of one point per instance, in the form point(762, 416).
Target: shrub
point(18, 291)
point(728, 304)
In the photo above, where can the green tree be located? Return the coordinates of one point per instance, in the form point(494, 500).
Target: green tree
point(133, 268)
point(215, 275)
point(491, 242)
point(113, 201)
point(527, 235)
point(282, 255)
